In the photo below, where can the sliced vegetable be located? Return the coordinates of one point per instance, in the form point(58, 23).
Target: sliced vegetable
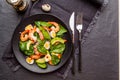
point(54, 54)
point(57, 39)
point(41, 60)
point(42, 65)
point(57, 54)
point(28, 44)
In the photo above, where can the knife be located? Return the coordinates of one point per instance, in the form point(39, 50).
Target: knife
point(79, 27)
point(72, 24)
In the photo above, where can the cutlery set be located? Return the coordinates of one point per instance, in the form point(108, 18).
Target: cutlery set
point(76, 22)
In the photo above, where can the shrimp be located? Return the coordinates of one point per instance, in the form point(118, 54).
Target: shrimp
point(24, 35)
point(40, 34)
point(31, 35)
point(35, 56)
point(59, 56)
point(50, 62)
point(46, 28)
point(57, 28)
point(35, 49)
point(29, 27)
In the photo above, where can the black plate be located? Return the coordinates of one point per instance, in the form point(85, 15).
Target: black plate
point(21, 57)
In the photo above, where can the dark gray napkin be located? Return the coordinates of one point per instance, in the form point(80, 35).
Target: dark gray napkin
point(63, 10)
point(96, 3)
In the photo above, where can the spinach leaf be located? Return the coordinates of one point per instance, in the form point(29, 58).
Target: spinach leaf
point(59, 48)
point(42, 49)
point(61, 31)
point(22, 45)
point(36, 35)
point(45, 24)
point(37, 23)
point(55, 60)
point(42, 23)
point(25, 48)
point(46, 34)
point(41, 42)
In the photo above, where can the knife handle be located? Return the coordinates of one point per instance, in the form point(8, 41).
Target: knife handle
point(73, 61)
point(79, 54)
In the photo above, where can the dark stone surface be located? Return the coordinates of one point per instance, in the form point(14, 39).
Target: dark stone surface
point(99, 52)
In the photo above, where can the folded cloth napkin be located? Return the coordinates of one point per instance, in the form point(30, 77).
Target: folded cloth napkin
point(96, 3)
point(63, 10)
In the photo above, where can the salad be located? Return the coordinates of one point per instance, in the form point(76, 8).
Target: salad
point(43, 43)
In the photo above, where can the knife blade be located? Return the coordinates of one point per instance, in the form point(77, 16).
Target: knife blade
point(71, 24)
point(79, 26)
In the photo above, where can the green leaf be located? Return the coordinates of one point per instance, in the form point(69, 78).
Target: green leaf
point(22, 45)
point(42, 23)
point(59, 48)
point(27, 50)
point(41, 42)
point(37, 23)
point(36, 35)
point(42, 49)
point(55, 60)
point(61, 31)
point(46, 34)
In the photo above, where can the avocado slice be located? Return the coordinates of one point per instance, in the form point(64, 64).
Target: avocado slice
point(41, 60)
point(42, 65)
point(57, 39)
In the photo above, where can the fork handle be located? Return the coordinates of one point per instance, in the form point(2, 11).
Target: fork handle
point(79, 54)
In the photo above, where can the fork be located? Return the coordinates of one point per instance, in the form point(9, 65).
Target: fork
point(79, 27)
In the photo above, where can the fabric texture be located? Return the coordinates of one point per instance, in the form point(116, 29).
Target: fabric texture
point(91, 10)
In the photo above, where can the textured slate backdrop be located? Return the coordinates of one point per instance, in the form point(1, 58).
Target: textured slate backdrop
point(101, 47)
